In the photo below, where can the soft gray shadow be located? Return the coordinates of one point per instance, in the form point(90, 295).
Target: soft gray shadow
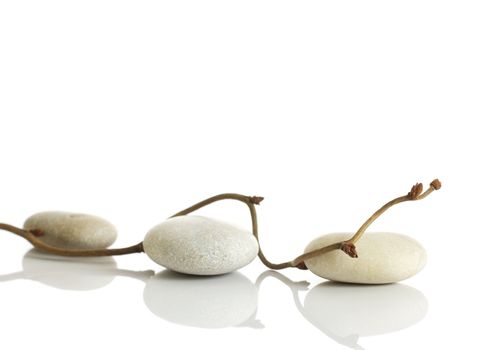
point(203, 301)
point(71, 273)
point(346, 312)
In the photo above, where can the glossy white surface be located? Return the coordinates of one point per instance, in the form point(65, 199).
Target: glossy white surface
point(253, 306)
point(134, 110)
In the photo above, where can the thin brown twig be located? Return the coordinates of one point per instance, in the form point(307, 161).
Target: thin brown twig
point(32, 236)
point(348, 246)
point(250, 202)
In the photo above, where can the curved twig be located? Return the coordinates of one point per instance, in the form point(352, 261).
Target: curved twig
point(348, 246)
point(32, 237)
point(250, 202)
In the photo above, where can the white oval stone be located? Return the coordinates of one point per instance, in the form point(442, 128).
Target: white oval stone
point(382, 258)
point(72, 230)
point(198, 245)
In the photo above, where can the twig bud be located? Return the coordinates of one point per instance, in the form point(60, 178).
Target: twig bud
point(37, 232)
point(436, 184)
point(349, 249)
point(415, 191)
point(302, 266)
point(256, 199)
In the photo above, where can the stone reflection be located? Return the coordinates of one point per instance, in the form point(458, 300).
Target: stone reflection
point(71, 273)
point(347, 312)
point(206, 302)
point(203, 301)
point(343, 312)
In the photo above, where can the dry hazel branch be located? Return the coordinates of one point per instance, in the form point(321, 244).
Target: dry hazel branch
point(32, 236)
point(347, 247)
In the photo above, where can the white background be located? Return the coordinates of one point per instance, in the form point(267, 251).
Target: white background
point(133, 110)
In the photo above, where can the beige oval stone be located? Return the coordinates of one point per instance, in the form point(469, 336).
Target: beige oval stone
point(382, 258)
point(198, 245)
point(72, 230)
